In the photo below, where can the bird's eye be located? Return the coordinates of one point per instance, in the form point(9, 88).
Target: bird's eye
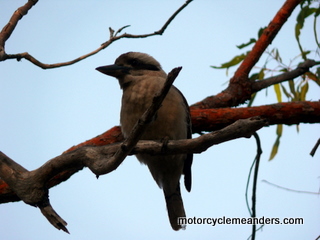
point(134, 62)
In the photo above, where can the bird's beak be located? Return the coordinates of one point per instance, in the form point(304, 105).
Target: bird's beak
point(113, 70)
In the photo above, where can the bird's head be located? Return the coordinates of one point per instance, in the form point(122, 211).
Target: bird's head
point(130, 66)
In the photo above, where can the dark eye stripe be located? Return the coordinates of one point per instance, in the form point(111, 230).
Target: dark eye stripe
point(151, 67)
point(137, 64)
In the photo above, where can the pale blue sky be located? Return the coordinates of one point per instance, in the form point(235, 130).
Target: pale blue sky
point(44, 112)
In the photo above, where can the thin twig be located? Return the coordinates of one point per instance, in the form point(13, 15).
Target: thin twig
point(255, 179)
point(314, 149)
point(289, 189)
point(247, 186)
point(113, 38)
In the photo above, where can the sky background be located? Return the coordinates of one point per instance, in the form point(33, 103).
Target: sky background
point(45, 112)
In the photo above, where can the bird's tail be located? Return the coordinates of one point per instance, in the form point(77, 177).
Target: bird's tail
point(175, 207)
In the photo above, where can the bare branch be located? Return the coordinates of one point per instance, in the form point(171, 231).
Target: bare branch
point(11, 25)
point(53, 217)
point(289, 189)
point(314, 149)
point(29, 187)
point(301, 69)
point(113, 38)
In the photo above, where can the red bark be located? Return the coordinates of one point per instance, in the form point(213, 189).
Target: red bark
point(202, 120)
point(111, 136)
point(280, 113)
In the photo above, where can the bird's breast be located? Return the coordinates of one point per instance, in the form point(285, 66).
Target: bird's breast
point(169, 121)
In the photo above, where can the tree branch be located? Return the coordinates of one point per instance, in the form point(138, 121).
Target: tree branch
point(265, 40)
point(113, 38)
point(301, 69)
point(27, 185)
point(202, 120)
point(254, 184)
point(239, 89)
point(10, 26)
point(206, 120)
point(279, 113)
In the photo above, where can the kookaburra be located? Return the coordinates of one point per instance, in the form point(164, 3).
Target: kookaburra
point(140, 77)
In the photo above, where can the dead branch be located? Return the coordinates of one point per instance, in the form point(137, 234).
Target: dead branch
point(314, 149)
point(11, 25)
point(6, 32)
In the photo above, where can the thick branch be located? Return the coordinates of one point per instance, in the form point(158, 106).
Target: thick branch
point(207, 120)
point(202, 120)
point(113, 38)
point(279, 113)
point(96, 158)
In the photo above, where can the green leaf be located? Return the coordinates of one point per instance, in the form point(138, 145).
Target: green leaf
point(234, 61)
point(243, 45)
point(277, 56)
point(257, 76)
point(253, 96)
point(254, 76)
point(261, 31)
point(303, 14)
point(279, 130)
point(304, 90)
point(292, 89)
point(284, 90)
point(314, 77)
point(261, 74)
point(275, 147)
point(278, 92)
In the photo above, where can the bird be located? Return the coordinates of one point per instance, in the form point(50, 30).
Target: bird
point(140, 77)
